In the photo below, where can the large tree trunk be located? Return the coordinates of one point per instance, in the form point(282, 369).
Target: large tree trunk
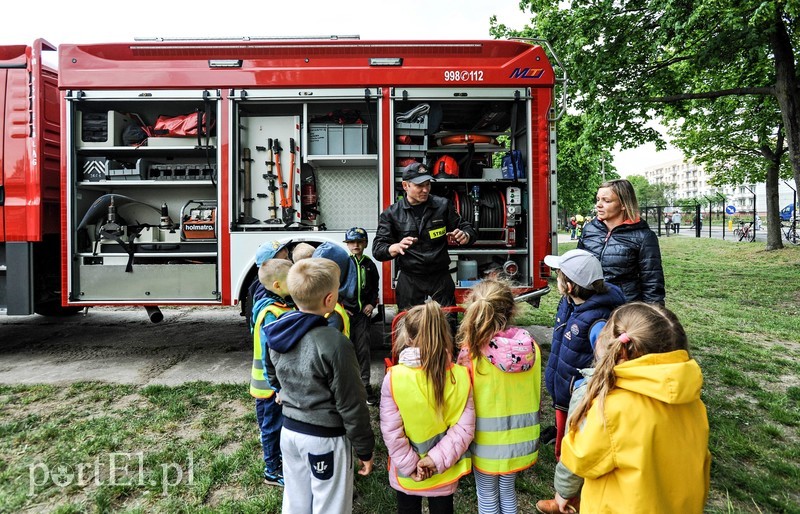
point(786, 92)
point(774, 234)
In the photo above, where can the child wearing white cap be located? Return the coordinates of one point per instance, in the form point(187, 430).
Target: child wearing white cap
point(586, 299)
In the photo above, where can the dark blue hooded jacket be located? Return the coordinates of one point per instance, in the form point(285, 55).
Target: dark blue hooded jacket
point(571, 350)
point(286, 331)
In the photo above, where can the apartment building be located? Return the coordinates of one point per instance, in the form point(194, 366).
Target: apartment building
point(691, 182)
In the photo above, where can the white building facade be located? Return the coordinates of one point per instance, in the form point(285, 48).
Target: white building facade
point(691, 183)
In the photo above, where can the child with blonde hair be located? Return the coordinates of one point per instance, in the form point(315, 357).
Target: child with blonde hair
point(506, 370)
point(639, 437)
point(274, 304)
point(324, 402)
point(302, 251)
point(427, 414)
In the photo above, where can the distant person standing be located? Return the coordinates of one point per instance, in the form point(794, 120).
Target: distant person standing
point(676, 222)
point(579, 225)
point(623, 242)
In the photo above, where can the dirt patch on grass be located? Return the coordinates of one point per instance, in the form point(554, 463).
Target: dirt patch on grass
point(130, 401)
point(235, 408)
point(188, 432)
point(225, 493)
point(231, 448)
point(16, 409)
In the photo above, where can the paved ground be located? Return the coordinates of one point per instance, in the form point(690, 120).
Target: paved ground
point(123, 346)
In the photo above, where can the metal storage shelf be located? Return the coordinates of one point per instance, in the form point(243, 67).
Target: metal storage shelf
point(343, 160)
point(468, 180)
point(127, 150)
point(152, 255)
point(106, 184)
point(487, 251)
point(479, 148)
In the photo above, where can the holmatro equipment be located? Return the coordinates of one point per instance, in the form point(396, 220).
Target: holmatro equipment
point(199, 220)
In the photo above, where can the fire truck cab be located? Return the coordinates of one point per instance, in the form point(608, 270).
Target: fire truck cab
point(30, 231)
point(182, 157)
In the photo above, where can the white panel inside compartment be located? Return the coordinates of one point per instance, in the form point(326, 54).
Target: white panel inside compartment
point(258, 130)
point(348, 197)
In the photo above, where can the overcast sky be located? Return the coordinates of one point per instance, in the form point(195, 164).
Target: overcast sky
point(90, 21)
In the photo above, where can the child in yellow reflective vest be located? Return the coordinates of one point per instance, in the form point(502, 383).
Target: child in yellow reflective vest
point(506, 370)
point(273, 304)
point(639, 436)
point(427, 414)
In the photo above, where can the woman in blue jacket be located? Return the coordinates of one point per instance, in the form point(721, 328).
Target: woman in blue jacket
point(623, 242)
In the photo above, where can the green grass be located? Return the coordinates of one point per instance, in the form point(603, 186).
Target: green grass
point(740, 306)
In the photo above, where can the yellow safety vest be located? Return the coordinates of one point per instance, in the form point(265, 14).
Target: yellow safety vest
point(339, 309)
point(423, 425)
point(506, 417)
point(259, 387)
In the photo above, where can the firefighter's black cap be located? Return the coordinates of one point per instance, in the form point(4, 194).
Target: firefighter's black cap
point(416, 173)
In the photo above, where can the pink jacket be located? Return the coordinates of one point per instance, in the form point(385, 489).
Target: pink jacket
point(402, 457)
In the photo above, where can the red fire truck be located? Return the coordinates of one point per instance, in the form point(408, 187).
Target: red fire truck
point(30, 231)
point(182, 157)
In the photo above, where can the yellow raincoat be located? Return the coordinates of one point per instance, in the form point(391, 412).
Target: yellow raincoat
point(649, 450)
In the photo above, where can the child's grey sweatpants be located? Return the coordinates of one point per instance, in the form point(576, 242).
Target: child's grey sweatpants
point(318, 473)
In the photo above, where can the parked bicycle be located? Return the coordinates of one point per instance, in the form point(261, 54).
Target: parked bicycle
point(790, 231)
point(745, 231)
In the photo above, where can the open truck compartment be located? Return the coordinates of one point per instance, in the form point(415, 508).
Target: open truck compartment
point(142, 209)
point(291, 154)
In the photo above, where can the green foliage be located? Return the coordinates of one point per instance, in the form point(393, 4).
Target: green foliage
point(580, 161)
point(707, 69)
point(652, 194)
point(744, 140)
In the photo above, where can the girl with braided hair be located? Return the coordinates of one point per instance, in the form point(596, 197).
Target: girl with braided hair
point(506, 370)
point(639, 437)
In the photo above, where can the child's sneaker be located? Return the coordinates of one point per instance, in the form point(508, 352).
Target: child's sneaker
point(551, 506)
point(372, 398)
point(273, 477)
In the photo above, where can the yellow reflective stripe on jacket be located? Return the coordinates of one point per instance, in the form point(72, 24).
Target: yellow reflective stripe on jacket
point(259, 387)
point(423, 425)
point(506, 417)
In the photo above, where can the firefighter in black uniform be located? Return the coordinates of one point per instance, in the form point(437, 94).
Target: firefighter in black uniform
point(415, 230)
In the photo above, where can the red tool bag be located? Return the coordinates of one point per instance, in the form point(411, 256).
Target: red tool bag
point(184, 125)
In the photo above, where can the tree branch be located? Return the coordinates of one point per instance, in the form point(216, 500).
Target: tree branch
point(769, 90)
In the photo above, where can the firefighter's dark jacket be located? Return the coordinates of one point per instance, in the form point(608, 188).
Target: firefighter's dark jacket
point(429, 254)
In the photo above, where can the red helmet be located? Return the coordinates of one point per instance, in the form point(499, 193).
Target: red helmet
point(445, 165)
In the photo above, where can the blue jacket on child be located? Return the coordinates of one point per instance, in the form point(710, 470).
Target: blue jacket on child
point(571, 350)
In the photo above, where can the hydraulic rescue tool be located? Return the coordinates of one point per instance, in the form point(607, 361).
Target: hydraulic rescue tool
point(286, 199)
point(270, 175)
